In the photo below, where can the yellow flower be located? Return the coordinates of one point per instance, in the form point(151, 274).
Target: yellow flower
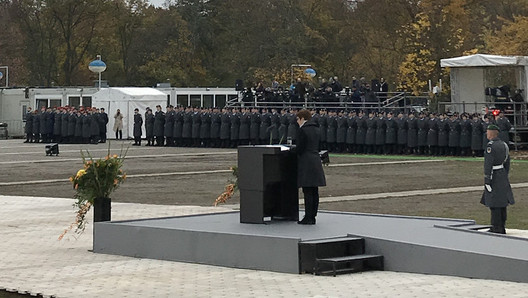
point(114, 156)
point(124, 176)
point(71, 179)
point(80, 173)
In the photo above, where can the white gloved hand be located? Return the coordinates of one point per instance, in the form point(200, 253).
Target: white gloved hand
point(488, 187)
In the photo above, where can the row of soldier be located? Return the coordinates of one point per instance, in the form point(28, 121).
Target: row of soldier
point(354, 132)
point(66, 125)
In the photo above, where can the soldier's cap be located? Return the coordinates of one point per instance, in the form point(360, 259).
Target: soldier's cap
point(492, 127)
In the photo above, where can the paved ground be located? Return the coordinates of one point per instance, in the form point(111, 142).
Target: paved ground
point(33, 260)
point(177, 181)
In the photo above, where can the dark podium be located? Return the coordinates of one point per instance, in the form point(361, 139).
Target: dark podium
point(267, 179)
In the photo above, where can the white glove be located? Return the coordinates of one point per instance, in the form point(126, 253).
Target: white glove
point(488, 187)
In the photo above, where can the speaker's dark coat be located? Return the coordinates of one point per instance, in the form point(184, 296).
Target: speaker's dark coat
point(309, 167)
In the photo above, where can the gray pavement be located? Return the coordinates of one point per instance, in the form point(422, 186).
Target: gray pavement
point(33, 260)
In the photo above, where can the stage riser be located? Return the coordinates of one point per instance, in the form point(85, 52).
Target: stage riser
point(407, 257)
point(229, 250)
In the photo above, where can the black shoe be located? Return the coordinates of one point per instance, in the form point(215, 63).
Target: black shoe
point(307, 221)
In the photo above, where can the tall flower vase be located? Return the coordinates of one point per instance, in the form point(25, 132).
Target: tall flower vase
point(102, 209)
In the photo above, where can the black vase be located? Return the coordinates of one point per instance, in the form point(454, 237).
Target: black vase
point(102, 209)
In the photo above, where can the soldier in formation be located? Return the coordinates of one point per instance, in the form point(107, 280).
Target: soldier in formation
point(67, 125)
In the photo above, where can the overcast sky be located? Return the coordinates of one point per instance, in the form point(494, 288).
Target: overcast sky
point(157, 2)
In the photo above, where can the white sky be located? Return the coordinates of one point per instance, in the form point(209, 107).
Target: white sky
point(157, 2)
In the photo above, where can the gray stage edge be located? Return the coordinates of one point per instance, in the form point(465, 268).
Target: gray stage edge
point(408, 244)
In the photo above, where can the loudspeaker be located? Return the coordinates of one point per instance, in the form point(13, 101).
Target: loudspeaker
point(239, 85)
point(52, 149)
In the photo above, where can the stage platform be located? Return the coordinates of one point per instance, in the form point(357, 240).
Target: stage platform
point(408, 244)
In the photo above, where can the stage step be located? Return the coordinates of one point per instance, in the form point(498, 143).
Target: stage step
point(336, 255)
point(472, 227)
point(364, 262)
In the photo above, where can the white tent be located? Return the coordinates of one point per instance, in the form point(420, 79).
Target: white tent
point(481, 60)
point(126, 100)
point(471, 75)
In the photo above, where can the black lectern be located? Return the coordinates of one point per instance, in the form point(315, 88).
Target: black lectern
point(267, 179)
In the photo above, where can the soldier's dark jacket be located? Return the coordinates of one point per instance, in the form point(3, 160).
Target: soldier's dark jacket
point(402, 131)
point(391, 128)
point(159, 123)
point(422, 131)
point(351, 130)
point(454, 133)
point(465, 133)
point(138, 123)
point(380, 131)
point(496, 170)
point(370, 138)
point(432, 133)
point(361, 130)
point(476, 134)
point(443, 133)
point(412, 132)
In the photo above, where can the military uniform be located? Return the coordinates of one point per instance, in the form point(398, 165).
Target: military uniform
point(159, 125)
point(380, 134)
point(149, 129)
point(225, 129)
point(390, 135)
point(476, 137)
point(402, 135)
point(187, 128)
point(370, 139)
point(465, 137)
point(432, 135)
point(497, 193)
point(331, 133)
point(443, 136)
point(254, 128)
point(361, 133)
point(422, 135)
point(205, 128)
point(215, 128)
point(265, 123)
point(195, 134)
point(168, 128)
point(138, 123)
point(28, 129)
point(454, 136)
point(412, 134)
point(57, 118)
point(243, 135)
point(323, 126)
point(235, 129)
point(351, 133)
point(504, 129)
point(178, 128)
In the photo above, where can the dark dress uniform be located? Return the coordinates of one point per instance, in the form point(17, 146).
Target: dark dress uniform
point(28, 129)
point(225, 129)
point(432, 135)
point(484, 135)
point(331, 133)
point(380, 134)
point(36, 127)
point(391, 128)
point(310, 174)
point(78, 129)
point(265, 123)
point(443, 136)
point(178, 128)
point(103, 122)
point(283, 128)
point(476, 137)
point(138, 123)
point(72, 122)
point(50, 122)
point(412, 134)
point(235, 129)
point(168, 128)
point(187, 128)
point(370, 139)
point(159, 125)
point(94, 128)
point(293, 128)
point(422, 135)
point(323, 126)
point(43, 126)
point(205, 128)
point(243, 134)
point(504, 129)
point(57, 119)
point(254, 128)
point(196, 123)
point(64, 127)
point(86, 121)
point(465, 137)
point(274, 128)
point(454, 136)
point(341, 134)
point(361, 133)
point(496, 170)
point(149, 129)
point(215, 129)
point(351, 134)
point(402, 134)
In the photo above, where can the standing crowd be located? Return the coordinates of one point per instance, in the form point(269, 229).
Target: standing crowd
point(66, 125)
point(340, 131)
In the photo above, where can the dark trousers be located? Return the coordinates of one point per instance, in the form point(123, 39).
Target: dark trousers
point(137, 140)
point(498, 220)
point(311, 202)
point(119, 134)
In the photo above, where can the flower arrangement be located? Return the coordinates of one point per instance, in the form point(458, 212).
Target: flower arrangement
point(97, 179)
point(230, 188)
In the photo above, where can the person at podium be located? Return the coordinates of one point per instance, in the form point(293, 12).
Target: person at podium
point(310, 174)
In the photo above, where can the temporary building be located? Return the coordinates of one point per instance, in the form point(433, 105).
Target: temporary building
point(126, 99)
point(471, 75)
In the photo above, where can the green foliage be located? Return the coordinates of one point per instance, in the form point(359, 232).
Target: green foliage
point(213, 43)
